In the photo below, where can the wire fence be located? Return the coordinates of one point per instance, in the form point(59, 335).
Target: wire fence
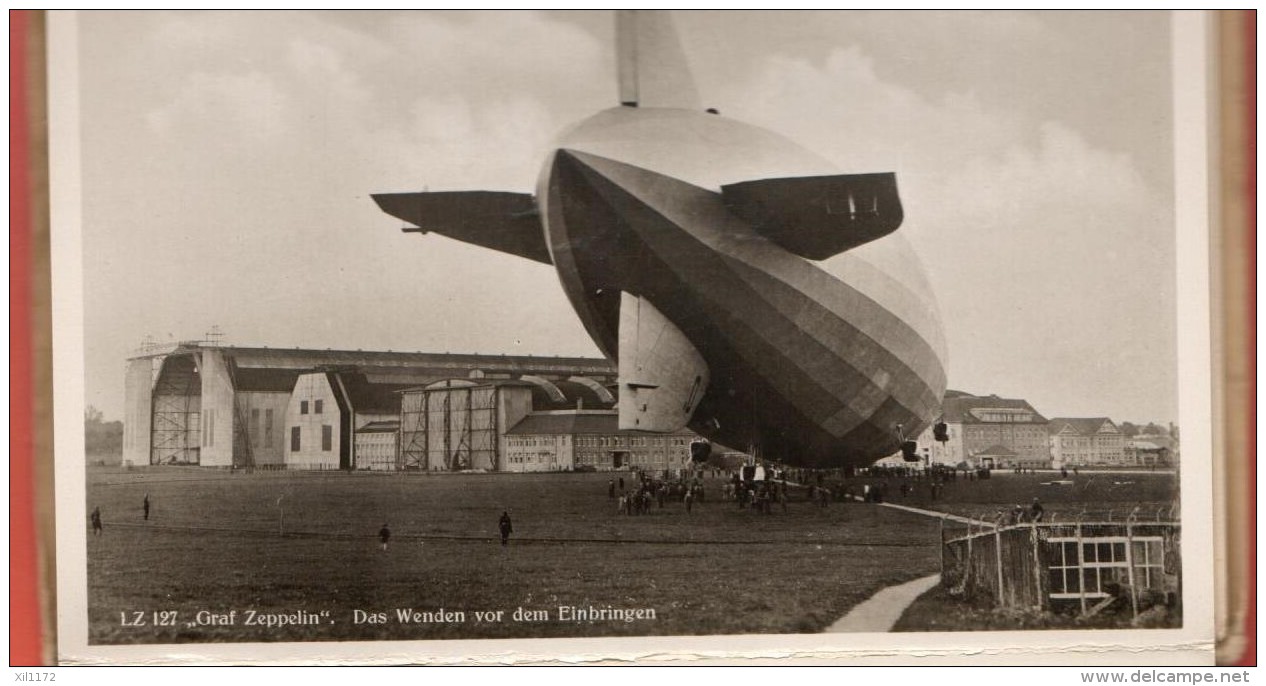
point(1082, 565)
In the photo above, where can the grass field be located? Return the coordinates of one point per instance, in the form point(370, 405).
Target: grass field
point(214, 543)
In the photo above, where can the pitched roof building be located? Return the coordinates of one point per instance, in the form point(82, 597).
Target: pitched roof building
point(591, 440)
point(988, 431)
point(1082, 441)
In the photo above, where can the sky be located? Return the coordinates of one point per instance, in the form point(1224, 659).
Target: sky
point(228, 159)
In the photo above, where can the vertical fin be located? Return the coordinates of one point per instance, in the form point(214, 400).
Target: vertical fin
point(652, 65)
point(662, 376)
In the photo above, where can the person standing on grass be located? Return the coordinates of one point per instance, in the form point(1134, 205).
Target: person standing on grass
point(96, 521)
point(1037, 511)
point(384, 535)
point(506, 528)
point(145, 506)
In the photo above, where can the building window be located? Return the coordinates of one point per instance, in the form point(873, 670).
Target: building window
point(268, 428)
point(294, 439)
point(317, 406)
point(1090, 565)
point(1102, 563)
point(303, 407)
point(255, 427)
point(327, 436)
point(211, 428)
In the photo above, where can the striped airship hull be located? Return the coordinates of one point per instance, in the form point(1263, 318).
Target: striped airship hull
point(813, 363)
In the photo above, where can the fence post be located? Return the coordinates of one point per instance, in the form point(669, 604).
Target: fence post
point(942, 544)
point(997, 549)
point(969, 559)
point(1081, 569)
point(1037, 570)
point(1129, 561)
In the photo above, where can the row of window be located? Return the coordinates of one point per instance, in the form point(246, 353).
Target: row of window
point(1087, 567)
point(532, 442)
point(987, 431)
point(1112, 441)
point(538, 457)
point(626, 441)
point(1003, 415)
point(296, 438)
point(317, 406)
point(630, 458)
point(1118, 454)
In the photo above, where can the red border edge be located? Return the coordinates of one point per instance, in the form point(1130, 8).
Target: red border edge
point(25, 635)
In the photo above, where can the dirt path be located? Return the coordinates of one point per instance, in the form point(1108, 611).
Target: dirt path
point(881, 611)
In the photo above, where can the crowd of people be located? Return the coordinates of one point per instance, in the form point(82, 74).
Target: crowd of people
point(646, 492)
point(640, 493)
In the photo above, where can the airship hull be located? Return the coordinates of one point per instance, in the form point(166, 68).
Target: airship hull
point(819, 363)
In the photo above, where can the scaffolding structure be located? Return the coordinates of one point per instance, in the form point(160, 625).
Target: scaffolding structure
point(451, 426)
point(176, 432)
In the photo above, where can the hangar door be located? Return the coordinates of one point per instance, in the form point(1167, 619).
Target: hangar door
point(449, 427)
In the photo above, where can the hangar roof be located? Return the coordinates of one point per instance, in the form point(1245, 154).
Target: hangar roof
point(379, 427)
point(583, 422)
point(268, 380)
point(547, 394)
point(461, 363)
point(367, 396)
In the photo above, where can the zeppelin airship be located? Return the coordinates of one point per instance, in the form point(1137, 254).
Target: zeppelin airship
point(743, 286)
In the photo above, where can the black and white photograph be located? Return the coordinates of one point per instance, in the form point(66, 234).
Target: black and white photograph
point(789, 330)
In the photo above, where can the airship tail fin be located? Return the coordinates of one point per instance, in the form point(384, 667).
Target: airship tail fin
point(508, 222)
point(652, 65)
point(662, 376)
point(819, 216)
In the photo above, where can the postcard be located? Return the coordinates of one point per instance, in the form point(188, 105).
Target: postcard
point(518, 337)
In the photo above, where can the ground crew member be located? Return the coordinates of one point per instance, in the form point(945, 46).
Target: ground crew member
point(506, 528)
point(145, 506)
point(96, 521)
point(384, 535)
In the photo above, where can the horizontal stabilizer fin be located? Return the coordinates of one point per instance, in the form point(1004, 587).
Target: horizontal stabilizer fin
point(508, 222)
point(819, 216)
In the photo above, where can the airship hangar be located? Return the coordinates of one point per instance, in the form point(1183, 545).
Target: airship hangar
point(205, 404)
